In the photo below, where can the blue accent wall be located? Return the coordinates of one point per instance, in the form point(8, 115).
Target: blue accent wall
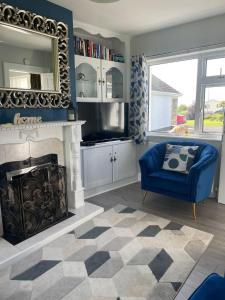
point(58, 13)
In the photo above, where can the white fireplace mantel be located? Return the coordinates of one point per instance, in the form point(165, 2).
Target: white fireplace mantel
point(8, 130)
point(62, 138)
point(19, 142)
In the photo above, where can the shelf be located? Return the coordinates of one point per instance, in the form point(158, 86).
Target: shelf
point(119, 62)
point(92, 81)
point(115, 83)
point(88, 97)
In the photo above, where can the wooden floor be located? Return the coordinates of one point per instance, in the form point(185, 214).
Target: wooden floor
point(210, 218)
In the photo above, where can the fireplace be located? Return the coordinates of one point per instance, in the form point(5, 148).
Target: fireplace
point(33, 196)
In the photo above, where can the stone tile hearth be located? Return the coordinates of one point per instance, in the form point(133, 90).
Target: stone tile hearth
point(10, 253)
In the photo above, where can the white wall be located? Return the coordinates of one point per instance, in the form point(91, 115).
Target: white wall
point(16, 55)
point(160, 112)
point(187, 36)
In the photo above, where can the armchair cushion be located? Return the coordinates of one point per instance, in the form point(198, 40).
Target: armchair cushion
point(179, 158)
point(169, 181)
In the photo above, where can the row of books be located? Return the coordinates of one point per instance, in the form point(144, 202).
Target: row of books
point(86, 47)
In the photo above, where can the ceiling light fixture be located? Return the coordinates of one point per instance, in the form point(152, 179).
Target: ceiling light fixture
point(104, 1)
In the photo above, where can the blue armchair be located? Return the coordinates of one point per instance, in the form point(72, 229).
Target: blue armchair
point(193, 187)
point(212, 288)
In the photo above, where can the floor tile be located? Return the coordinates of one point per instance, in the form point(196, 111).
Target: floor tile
point(94, 232)
point(173, 226)
point(144, 256)
point(96, 260)
point(74, 269)
point(127, 210)
point(108, 269)
point(83, 254)
point(63, 287)
point(160, 264)
point(117, 244)
point(37, 270)
point(150, 231)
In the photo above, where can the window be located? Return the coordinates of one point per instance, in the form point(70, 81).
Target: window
point(215, 67)
point(173, 92)
point(187, 94)
point(214, 109)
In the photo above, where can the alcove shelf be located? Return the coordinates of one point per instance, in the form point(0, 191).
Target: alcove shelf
point(97, 79)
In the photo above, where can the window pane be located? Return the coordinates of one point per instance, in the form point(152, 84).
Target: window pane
point(213, 110)
point(172, 97)
point(215, 67)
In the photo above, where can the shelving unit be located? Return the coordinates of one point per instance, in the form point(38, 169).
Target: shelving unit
point(100, 80)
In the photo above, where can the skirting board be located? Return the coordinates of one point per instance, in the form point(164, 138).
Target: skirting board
point(88, 193)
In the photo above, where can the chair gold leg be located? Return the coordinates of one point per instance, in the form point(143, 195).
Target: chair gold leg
point(145, 195)
point(194, 210)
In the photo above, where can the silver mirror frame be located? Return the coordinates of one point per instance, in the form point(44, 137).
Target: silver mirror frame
point(16, 98)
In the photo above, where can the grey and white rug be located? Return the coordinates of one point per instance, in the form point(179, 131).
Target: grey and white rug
point(122, 254)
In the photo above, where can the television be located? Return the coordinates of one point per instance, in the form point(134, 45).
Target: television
point(104, 122)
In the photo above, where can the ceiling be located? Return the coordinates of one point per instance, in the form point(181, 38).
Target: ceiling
point(138, 16)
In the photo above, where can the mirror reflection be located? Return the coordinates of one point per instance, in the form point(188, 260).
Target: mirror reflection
point(28, 60)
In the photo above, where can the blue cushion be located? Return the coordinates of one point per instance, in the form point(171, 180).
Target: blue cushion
point(169, 181)
point(212, 288)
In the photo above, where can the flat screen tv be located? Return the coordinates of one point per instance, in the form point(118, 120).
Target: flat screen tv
point(104, 121)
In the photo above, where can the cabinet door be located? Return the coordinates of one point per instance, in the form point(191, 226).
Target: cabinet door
point(113, 81)
point(97, 166)
point(88, 79)
point(125, 165)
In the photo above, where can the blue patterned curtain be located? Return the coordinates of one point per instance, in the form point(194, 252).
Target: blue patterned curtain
point(139, 99)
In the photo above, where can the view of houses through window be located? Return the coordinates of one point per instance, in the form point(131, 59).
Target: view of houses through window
point(214, 109)
point(179, 102)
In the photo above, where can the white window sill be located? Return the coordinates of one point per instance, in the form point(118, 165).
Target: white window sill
point(205, 136)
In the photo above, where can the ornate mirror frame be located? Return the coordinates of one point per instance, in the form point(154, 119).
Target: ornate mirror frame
point(16, 98)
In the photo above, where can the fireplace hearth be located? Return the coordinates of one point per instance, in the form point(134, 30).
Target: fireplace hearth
point(33, 196)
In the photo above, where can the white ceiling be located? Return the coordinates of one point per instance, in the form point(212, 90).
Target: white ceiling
point(139, 16)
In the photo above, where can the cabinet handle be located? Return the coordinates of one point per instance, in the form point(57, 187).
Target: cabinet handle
point(111, 160)
point(103, 81)
point(99, 81)
point(115, 159)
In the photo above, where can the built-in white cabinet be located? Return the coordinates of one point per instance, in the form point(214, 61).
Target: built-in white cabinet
point(99, 80)
point(107, 164)
point(97, 166)
point(124, 161)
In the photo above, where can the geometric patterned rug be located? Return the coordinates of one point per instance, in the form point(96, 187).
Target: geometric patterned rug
point(124, 254)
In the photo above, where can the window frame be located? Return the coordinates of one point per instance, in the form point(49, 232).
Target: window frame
point(202, 83)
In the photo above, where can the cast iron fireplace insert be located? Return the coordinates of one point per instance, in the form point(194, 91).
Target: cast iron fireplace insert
point(33, 196)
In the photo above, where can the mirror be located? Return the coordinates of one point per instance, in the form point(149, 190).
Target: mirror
point(34, 60)
point(28, 60)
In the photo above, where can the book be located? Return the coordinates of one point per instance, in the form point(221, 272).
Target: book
point(88, 48)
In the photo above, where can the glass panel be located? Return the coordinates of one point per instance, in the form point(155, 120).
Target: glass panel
point(215, 67)
point(28, 60)
point(172, 97)
point(86, 81)
point(114, 84)
point(214, 109)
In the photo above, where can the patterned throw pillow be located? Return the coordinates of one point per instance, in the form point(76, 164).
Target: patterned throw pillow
point(179, 158)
